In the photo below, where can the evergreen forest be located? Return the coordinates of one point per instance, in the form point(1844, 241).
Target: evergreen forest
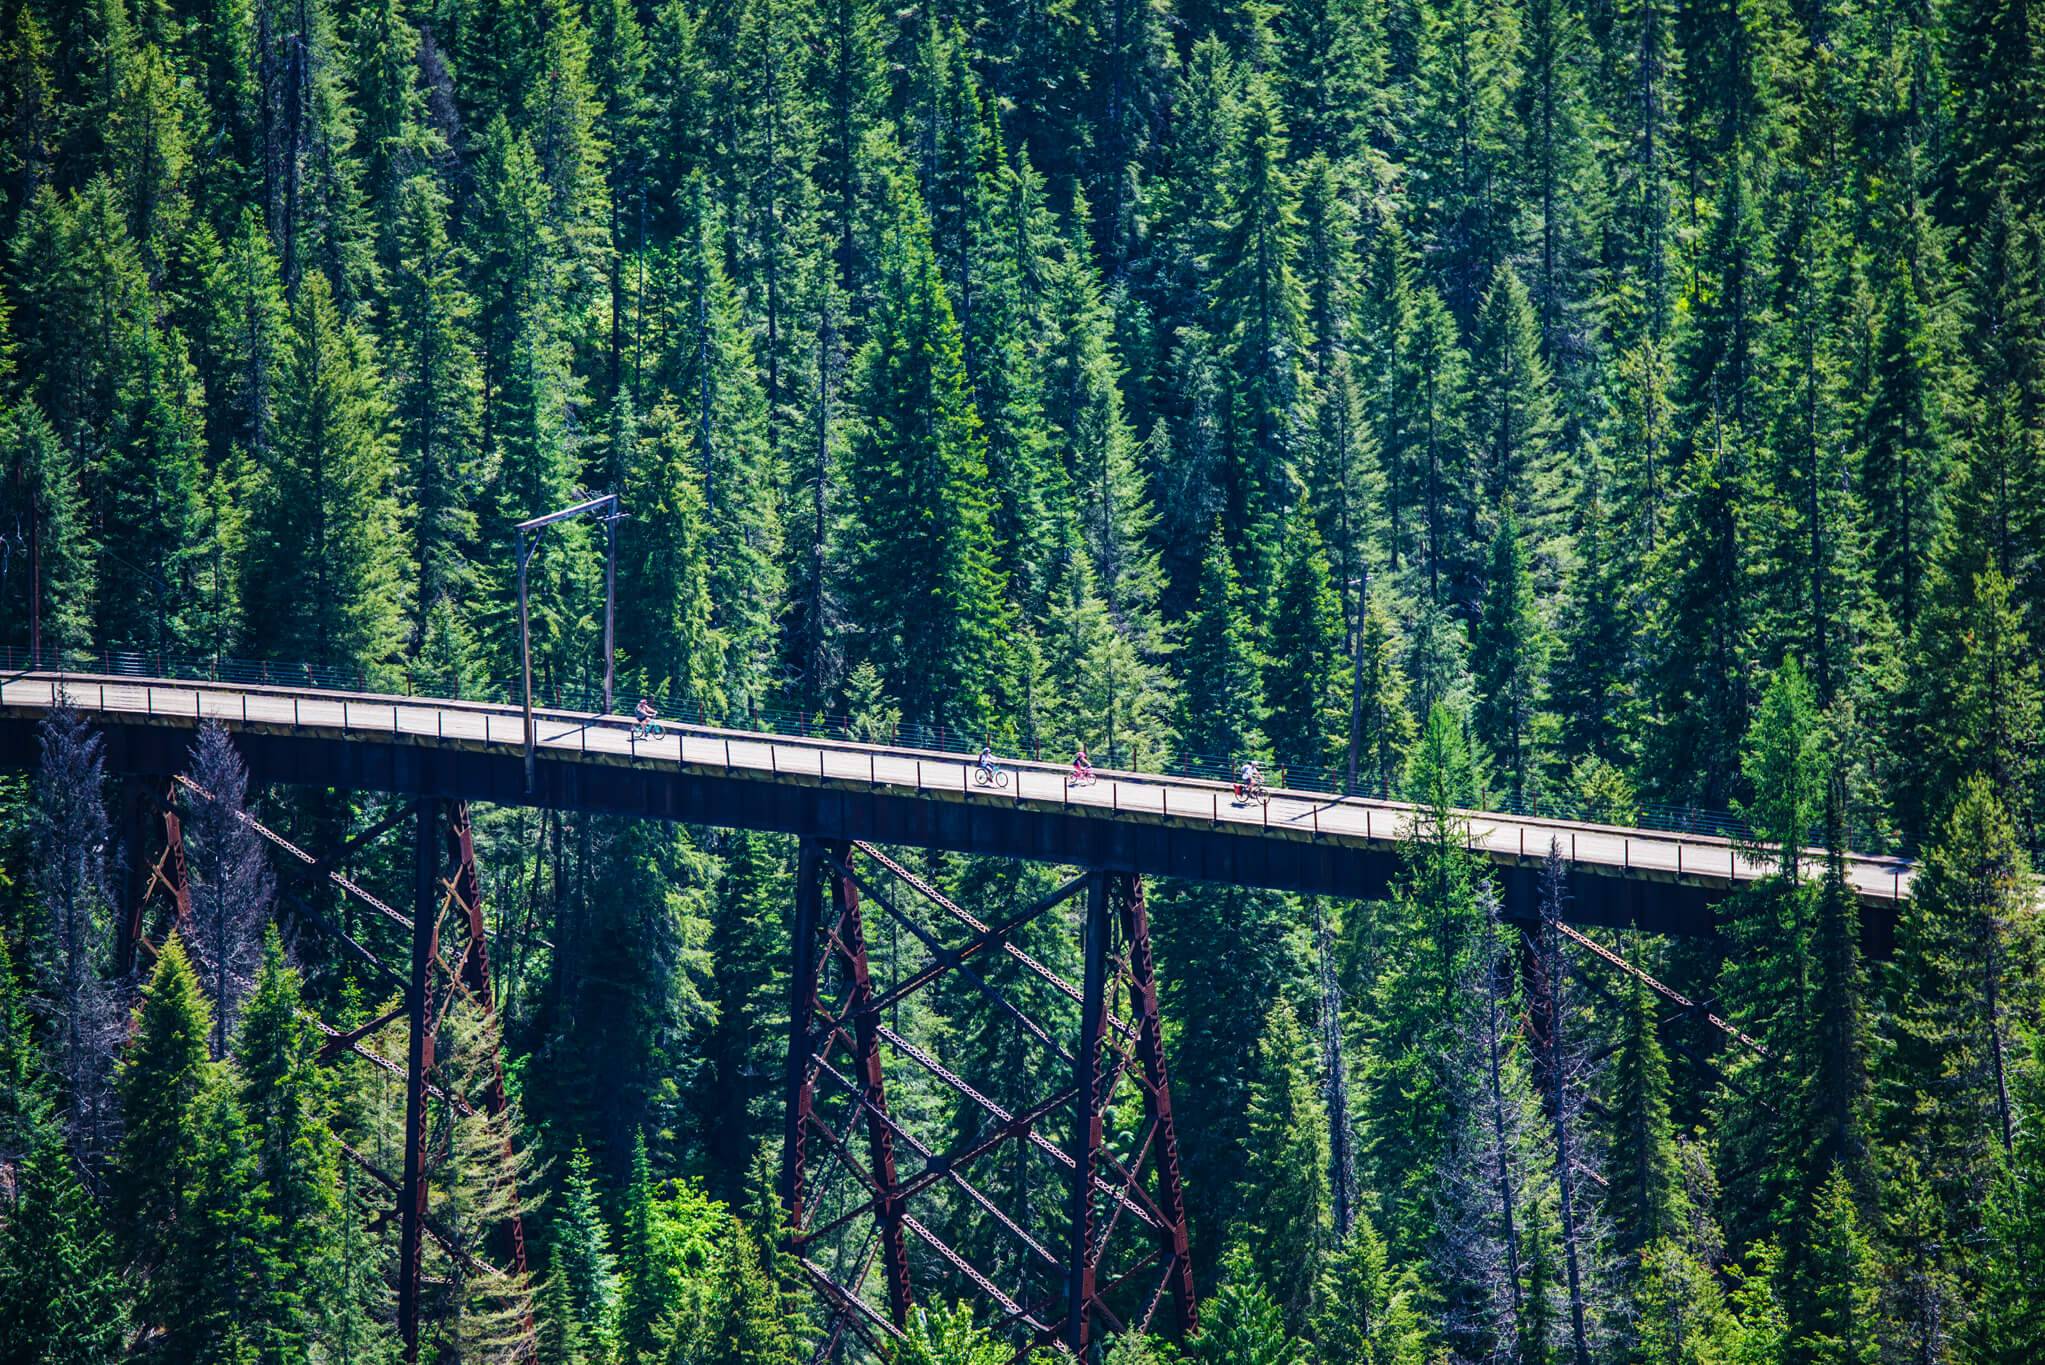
point(1627, 410)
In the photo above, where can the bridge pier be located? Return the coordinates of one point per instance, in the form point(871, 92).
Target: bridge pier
point(1073, 1276)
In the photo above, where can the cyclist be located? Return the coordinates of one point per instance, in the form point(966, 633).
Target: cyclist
point(1082, 770)
point(985, 763)
point(644, 713)
point(1250, 782)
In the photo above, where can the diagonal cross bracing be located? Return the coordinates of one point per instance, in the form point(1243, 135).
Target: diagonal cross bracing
point(1119, 1248)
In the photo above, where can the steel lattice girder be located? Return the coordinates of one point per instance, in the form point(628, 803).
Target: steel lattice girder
point(1101, 1188)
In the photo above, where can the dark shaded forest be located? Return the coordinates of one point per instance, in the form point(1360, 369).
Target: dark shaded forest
point(1617, 408)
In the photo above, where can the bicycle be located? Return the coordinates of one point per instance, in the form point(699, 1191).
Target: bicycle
point(651, 729)
point(989, 776)
point(1082, 777)
point(1254, 792)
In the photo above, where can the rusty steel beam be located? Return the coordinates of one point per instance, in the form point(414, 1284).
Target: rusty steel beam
point(1173, 1239)
point(462, 890)
point(973, 922)
point(1073, 1286)
point(419, 1061)
point(851, 933)
point(799, 1077)
point(955, 962)
point(156, 868)
point(306, 861)
point(1082, 1252)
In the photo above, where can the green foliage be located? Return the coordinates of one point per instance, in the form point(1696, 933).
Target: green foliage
point(1509, 655)
point(1600, 407)
point(327, 574)
point(923, 579)
point(1952, 992)
point(1285, 1186)
point(164, 1080)
point(1303, 651)
point(1240, 1324)
point(580, 1259)
point(1645, 1201)
point(1221, 719)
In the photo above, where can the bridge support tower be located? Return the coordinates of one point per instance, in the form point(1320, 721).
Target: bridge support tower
point(866, 1187)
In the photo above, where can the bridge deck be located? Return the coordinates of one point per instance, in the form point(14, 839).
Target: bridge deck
point(1175, 825)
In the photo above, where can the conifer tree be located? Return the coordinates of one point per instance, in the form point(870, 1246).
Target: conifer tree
point(297, 1191)
point(1699, 647)
point(632, 994)
point(58, 1275)
point(392, 132)
point(1513, 424)
point(749, 1325)
point(1260, 312)
point(648, 1270)
point(1509, 655)
point(1240, 1324)
point(487, 1311)
point(1840, 1123)
point(1367, 1314)
point(1096, 688)
point(1645, 1201)
point(1952, 999)
point(1381, 727)
point(1591, 677)
point(1083, 375)
point(709, 369)
point(1843, 1326)
point(1909, 444)
point(434, 397)
point(1285, 1187)
point(1460, 135)
point(677, 118)
point(1013, 239)
point(164, 1079)
point(46, 514)
point(232, 1300)
point(1303, 650)
point(327, 571)
point(1429, 935)
point(1975, 687)
point(666, 631)
point(255, 343)
point(232, 885)
point(581, 1261)
point(747, 941)
point(922, 578)
point(1219, 666)
point(68, 837)
point(2011, 1321)
point(1427, 456)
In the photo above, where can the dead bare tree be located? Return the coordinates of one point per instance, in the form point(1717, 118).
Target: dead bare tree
point(1495, 1211)
point(1335, 1080)
point(70, 837)
point(1558, 1072)
point(232, 884)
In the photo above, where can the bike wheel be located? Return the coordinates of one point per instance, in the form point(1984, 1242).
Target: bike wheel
point(1002, 778)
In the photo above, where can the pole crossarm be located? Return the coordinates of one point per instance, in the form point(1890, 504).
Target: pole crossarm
point(1053, 1271)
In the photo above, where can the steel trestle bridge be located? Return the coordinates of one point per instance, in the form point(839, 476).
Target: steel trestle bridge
point(1109, 1250)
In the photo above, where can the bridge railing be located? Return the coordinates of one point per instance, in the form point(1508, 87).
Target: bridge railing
point(796, 723)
